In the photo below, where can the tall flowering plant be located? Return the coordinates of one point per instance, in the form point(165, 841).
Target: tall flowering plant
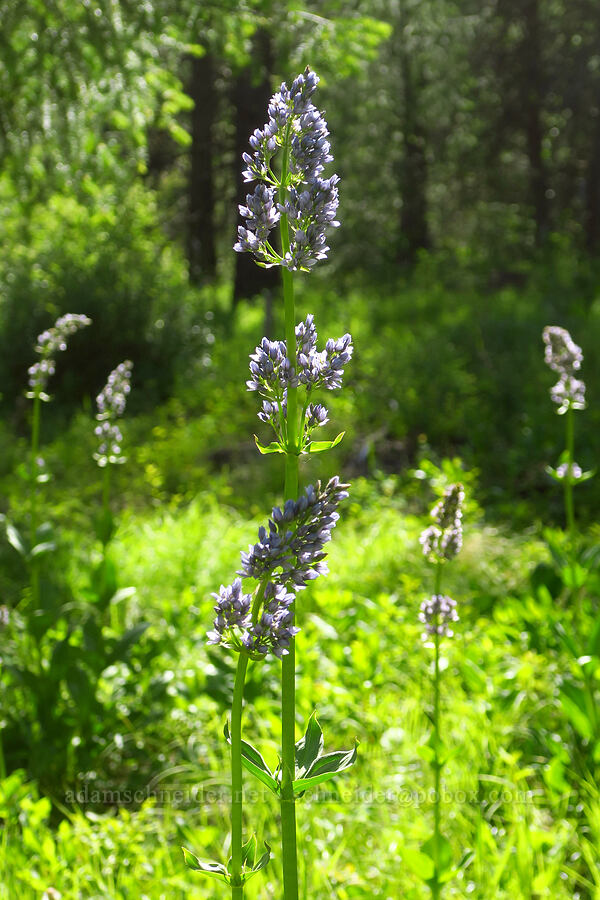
point(49, 343)
point(110, 403)
point(441, 542)
point(257, 616)
point(565, 357)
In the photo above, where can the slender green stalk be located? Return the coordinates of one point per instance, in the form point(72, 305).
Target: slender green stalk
point(289, 850)
point(105, 500)
point(35, 444)
point(435, 886)
point(569, 507)
point(237, 890)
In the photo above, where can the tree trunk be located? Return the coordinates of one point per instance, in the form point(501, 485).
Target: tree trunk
point(250, 101)
point(533, 90)
point(413, 175)
point(201, 248)
point(592, 217)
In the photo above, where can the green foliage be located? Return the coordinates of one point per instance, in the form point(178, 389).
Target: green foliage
point(511, 786)
point(107, 258)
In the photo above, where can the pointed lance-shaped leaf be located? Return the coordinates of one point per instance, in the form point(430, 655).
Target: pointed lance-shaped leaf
point(326, 767)
point(213, 869)
point(320, 446)
point(309, 747)
point(253, 761)
point(273, 447)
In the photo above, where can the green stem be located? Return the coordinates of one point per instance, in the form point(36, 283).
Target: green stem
point(106, 491)
point(435, 885)
point(105, 526)
point(569, 507)
point(35, 444)
point(289, 850)
point(237, 889)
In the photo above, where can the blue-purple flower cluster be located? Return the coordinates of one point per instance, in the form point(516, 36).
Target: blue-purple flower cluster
point(271, 631)
point(564, 356)
point(111, 403)
point(49, 343)
point(309, 202)
point(288, 554)
point(443, 540)
point(272, 374)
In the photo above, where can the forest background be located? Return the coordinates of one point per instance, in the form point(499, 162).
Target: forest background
point(467, 138)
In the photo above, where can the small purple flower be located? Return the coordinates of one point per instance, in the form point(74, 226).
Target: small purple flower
point(275, 627)
point(233, 609)
point(437, 613)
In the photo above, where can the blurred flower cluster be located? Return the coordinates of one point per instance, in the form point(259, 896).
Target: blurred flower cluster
point(564, 357)
point(49, 343)
point(111, 403)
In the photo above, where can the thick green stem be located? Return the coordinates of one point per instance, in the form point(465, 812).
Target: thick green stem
point(237, 888)
point(435, 886)
point(289, 852)
point(35, 444)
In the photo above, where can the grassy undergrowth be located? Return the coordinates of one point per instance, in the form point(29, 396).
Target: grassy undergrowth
point(514, 793)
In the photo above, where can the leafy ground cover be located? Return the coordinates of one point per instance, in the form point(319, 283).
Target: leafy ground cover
point(519, 792)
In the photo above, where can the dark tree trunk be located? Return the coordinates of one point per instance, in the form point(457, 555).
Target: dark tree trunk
point(413, 174)
point(250, 100)
point(592, 218)
point(533, 92)
point(201, 201)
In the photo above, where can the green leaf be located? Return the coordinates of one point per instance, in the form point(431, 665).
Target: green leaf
point(122, 647)
point(326, 767)
point(104, 526)
point(249, 852)
point(80, 688)
point(213, 869)
point(320, 446)
point(264, 859)
point(262, 862)
point(44, 547)
point(253, 761)
point(585, 476)
point(573, 702)
point(419, 864)
point(122, 594)
point(567, 640)
point(273, 447)
point(15, 540)
point(444, 850)
point(309, 747)
point(593, 646)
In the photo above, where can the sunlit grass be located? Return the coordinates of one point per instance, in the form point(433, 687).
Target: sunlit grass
point(364, 669)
